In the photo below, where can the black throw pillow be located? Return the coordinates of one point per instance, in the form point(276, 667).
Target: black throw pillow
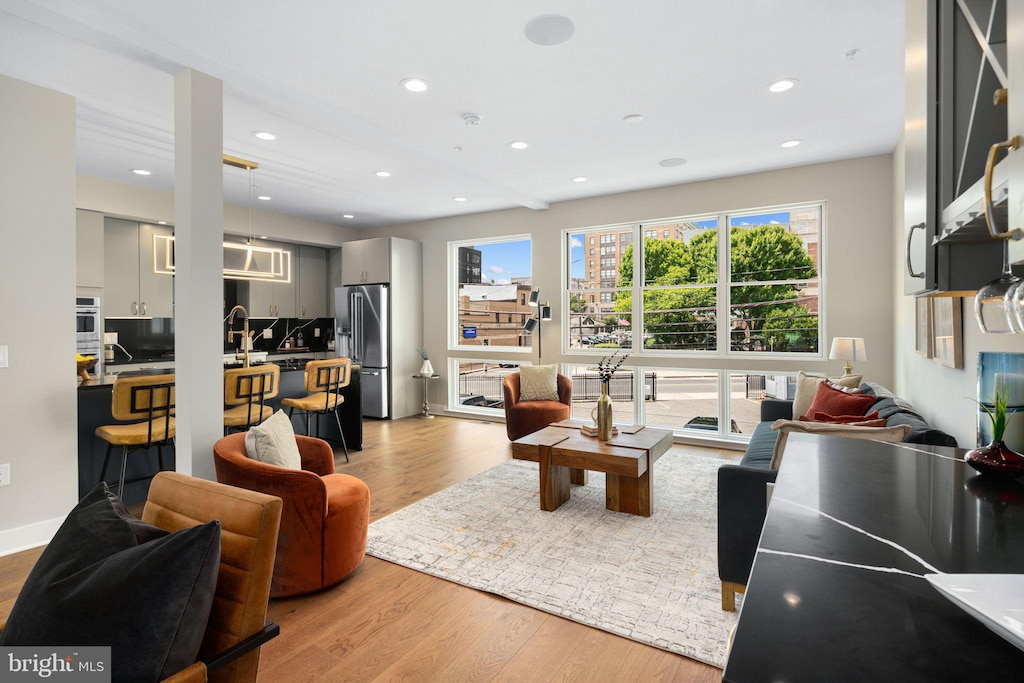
point(107, 578)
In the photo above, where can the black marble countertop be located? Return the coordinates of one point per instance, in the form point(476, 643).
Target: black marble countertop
point(837, 590)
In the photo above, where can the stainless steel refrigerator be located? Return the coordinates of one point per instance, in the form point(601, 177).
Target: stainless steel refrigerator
point(362, 333)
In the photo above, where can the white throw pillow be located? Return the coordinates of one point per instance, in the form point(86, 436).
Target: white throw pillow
point(273, 442)
point(538, 382)
point(807, 387)
point(784, 427)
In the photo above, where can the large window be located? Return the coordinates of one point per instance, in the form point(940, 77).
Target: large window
point(695, 290)
point(491, 284)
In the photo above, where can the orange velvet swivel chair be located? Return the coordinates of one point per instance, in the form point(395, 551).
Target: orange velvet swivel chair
point(325, 516)
point(527, 417)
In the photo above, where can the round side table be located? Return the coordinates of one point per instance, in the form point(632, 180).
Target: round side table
point(426, 404)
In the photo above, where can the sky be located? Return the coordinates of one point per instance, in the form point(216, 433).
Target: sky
point(503, 261)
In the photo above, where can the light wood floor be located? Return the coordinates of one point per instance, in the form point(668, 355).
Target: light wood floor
point(389, 623)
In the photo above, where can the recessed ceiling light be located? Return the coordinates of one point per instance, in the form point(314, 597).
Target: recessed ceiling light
point(580, 179)
point(161, 222)
point(264, 135)
point(791, 143)
point(264, 197)
point(519, 144)
point(382, 174)
point(263, 237)
point(673, 161)
point(549, 29)
point(459, 199)
point(414, 84)
point(633, 118)
point(782, 85)
point(348, 215)
point(141, 171)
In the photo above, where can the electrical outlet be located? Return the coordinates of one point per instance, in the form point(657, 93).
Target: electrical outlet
point(5, 474)
point(268, 333)
point(3, 356)
point(316, 331)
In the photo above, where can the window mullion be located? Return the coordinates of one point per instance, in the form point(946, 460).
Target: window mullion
point(724, 292)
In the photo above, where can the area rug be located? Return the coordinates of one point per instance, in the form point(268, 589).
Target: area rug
point(653, 580)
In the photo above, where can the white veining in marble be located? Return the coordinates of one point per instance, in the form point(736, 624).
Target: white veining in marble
point(814, 558)
point(897, 546)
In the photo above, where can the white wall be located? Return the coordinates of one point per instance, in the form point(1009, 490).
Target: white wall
point(856, 257)
point(38, 404)
point(941, 394)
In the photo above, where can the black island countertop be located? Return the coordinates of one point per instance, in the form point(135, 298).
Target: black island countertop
point(94, 410)
point(837, 590)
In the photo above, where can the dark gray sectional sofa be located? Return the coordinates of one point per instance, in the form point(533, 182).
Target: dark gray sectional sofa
point(742, 491)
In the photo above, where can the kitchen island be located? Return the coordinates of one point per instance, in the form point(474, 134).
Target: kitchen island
point(94, 399)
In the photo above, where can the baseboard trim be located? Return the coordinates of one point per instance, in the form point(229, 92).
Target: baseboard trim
point(28, 536)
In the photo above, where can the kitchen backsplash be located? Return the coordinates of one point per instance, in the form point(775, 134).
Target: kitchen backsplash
point(147, 340)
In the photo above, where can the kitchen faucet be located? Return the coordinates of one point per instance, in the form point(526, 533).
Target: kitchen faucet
point(244, 333)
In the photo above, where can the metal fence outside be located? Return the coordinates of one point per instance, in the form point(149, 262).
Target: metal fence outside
point(587, 387)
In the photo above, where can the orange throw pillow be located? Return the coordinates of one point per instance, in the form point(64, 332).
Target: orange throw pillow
point(830, 400)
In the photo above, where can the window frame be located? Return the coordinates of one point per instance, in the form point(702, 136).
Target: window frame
point(723, 286)
point(453, 336)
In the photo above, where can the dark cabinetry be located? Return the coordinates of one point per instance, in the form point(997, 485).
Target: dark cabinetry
point(955, 65)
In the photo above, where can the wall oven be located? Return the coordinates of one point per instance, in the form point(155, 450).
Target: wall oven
point(89, 329)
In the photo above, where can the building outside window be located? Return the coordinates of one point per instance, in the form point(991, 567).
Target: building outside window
point(503, 286)
point(754, 291)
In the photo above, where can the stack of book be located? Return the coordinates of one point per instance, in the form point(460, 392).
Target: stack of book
point(591, 430)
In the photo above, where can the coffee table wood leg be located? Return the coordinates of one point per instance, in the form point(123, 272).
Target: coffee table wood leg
point(554, 482)
point(577, 477)
point(633, 495)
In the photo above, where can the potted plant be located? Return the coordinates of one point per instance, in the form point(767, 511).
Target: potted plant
point(996, 458)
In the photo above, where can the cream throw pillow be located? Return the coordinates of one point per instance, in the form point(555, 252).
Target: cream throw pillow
point(784, 427)
point(807, 387)
point(538, 382)
point(273, 442)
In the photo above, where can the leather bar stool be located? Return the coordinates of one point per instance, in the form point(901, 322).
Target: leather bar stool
point(324, 380)
point(149, 399)
point(247, 389)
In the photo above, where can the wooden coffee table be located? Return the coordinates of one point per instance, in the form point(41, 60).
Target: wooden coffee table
point(565, 454)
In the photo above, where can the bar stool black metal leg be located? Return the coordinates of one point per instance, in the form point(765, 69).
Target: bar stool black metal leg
point(106, 461)
point(124, 465)
point(342, 433)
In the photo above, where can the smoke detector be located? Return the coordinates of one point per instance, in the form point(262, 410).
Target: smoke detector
point(472, 120)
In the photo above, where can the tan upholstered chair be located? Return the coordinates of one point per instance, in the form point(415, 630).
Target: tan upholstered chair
point(249, 524)
point(246, 390)
point(527, 417)
point(149, 399)
point(324, 381)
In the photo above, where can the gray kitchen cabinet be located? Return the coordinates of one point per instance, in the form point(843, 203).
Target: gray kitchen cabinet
point(311, 289)
point(88, 249)
point(366, 261)
point(130, 287)
point(952, 74)
point(272, 299)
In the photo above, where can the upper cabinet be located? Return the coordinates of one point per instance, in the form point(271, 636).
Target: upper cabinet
point(366, 262)
point(956, 59)
point(272, 299)
point(311, 290)
point(1014, 163)
point(130, 285)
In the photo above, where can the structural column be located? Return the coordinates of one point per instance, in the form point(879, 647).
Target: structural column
point(199, 269)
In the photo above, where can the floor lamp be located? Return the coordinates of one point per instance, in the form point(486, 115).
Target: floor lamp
point(533, 322)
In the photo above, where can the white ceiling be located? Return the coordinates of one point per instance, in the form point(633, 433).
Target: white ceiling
point(324, 76)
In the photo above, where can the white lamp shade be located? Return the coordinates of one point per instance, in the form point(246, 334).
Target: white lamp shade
point(848, 349)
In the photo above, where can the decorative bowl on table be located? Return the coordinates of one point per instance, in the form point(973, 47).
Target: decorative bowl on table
point(85, 365)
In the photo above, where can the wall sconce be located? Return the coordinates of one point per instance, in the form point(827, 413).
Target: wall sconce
point(533, 322)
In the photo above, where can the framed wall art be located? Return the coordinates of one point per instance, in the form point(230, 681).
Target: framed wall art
point(947, 331)
point(923, 327)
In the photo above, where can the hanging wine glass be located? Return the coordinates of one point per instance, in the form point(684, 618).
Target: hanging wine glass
point(993, 304)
